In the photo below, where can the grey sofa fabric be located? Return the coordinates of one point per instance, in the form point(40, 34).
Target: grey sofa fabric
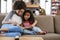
point(1, 19)
point(57, 24)
point(49, 36)
point(49, 23)
point(45, 23)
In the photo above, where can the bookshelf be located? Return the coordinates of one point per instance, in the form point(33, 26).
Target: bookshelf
point(55, 6)
point(32, 5)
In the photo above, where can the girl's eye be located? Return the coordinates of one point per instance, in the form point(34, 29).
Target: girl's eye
point(27, 15)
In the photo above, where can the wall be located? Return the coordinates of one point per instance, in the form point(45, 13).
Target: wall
point(0, 5)
point(46, 6)
point(9, 5)
point(3, 6)
point(6, 6)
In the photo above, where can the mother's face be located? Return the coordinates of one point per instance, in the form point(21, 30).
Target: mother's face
point(20, 12)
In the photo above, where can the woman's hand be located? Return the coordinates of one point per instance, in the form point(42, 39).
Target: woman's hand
point(14, 23)
point(35, 22)
point(4, 29)
point(7, 22)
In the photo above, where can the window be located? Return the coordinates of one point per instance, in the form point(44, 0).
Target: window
point(6, 6)
point(3, 6)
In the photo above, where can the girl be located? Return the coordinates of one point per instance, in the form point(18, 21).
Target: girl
point(29, 22)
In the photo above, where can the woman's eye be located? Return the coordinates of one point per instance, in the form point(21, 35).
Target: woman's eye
point(20, 11)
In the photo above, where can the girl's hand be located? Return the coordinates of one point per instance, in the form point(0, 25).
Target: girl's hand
point(28, 27)
point(31, 26)
point(25, 27)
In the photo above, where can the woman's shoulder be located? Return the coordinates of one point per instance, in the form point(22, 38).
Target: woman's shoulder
point(13, 11)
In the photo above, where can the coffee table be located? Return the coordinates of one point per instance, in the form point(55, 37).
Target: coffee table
point(7, 38)
point(21, 38)
point(30, 38)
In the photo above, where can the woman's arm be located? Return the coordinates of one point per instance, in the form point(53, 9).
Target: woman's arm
point(6, 19)
point(35, 22)
point(4, 29)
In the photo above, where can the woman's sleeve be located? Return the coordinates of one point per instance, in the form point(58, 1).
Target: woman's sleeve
point(7, 17)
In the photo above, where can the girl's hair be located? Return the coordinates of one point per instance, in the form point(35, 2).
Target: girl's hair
point(31, 19)
point(19, 5)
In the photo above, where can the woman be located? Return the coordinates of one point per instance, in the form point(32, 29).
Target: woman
point(12, 21)
point(11, 24)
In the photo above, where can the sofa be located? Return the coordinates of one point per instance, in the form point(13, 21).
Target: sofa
point(49, 23)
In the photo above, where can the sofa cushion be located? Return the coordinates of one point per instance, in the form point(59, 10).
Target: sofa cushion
point(45, 23)
point(57, 23)
point(49, 36)
point(1, 18)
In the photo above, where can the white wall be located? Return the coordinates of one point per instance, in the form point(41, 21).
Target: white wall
point(6, 7)
point(9, 5)
point(3, 6)
point(0, 6)
point(42, 3)
point(46, 6)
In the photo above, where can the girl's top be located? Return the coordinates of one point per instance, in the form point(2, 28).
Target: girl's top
point(26, 24)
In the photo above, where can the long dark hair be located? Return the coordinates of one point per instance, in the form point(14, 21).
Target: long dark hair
point(19, 5)
point(31, 19)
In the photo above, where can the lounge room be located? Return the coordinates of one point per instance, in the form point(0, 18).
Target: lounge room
point(29, 19)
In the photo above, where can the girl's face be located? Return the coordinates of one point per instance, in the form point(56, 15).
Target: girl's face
point(27, 16)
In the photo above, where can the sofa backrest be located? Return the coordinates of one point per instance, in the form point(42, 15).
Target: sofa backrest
point(45, 23)
point(57, 24)
point(1, 18)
